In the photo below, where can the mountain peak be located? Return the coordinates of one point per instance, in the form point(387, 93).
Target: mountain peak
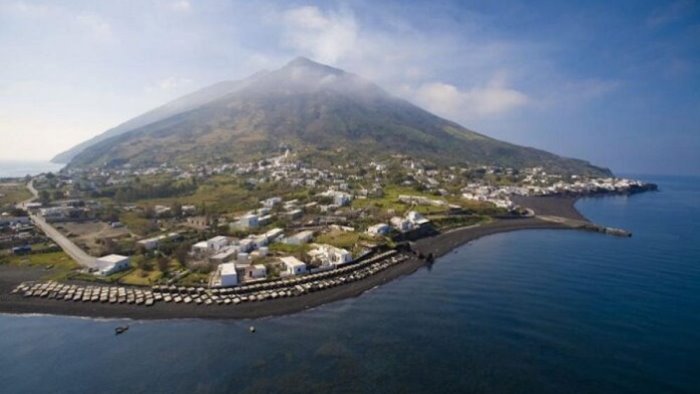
point(301, 62)
point(310, 107)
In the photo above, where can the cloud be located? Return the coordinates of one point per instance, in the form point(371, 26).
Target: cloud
point(402, 59)
point(181, 6)
point(30, 9)
point(96, 26)
point(171, 83)
point(327, 37)
point(447, 100)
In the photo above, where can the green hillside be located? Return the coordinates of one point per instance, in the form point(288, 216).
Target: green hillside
point(309, 106)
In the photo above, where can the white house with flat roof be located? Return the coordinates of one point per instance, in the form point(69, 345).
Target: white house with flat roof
point(217, 243)
point(379, 229)
point(200, 248)
point(273, 234)
point(224, 255)
point(255, 271)
point(417, 219)
point(107, 265)
point(154, 242)
point(329, 256)
point(226, 275)
point(293, 266)
point(299, 238)
point(271, 202)
point(401, 224)
point(339, 198)
point(248, 221)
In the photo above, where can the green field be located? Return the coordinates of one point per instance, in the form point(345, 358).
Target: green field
point(194, 279)
point(342, 239)
point(390, 201)
point(138, 225)
point(58, 260)
point(139, 277)
point(11, 194)
point(60, 264)
point(226, 194)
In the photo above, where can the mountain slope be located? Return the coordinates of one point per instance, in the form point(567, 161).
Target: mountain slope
point(182, 104)
point(312, 107)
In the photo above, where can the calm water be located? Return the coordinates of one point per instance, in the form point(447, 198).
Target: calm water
point(533, 311)
point(14, 168)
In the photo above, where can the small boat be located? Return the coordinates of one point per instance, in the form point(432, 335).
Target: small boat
point(120, 330)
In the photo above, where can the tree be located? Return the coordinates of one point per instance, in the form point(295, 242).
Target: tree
point(145, 264)
point(44, 196)
point(181, 253)
point(176, 209)
point(120, 196)
point(163, 263)
point(108, 246)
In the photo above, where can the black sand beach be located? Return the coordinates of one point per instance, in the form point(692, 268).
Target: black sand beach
point(438, 245)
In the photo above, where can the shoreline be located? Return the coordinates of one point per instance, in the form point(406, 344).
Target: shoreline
point(439, 245)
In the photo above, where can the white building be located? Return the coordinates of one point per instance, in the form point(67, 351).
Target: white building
point(227, 275)
point(161, 210)
point(271, 202)
point(226, 254)
point(217, 243)
point(339, 198)
point(379, 229)
point(200, 248)
point(293, 266)
point(247, 245)
point(52, 213)
point(243, 258)
point(259, 241)
point(112, 263)
point(248, 221)
point(154, 242)
point(273, 234)
point(401, 224)
point(417, 219)
point(294, 214)
point(299, 238)
point(329, 256)
point(265, 220)
point(256, 271)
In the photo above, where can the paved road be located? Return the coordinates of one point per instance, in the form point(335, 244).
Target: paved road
point(35, 195)
point(66, 244)
point(61, 240)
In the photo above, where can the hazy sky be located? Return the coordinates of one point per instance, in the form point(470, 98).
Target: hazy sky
point(617, 84)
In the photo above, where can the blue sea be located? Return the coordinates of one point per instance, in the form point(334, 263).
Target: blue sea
point(540, 311)
point(18, 169)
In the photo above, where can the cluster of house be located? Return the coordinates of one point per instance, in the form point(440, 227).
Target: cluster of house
point(620, 185)
point(498, 196)
point(16, 232)
point(155, 242)
point(235, 258)
point(65, 210)
point(221, 248)
point(538, 183)
point(164, 210)
point(411, 221)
